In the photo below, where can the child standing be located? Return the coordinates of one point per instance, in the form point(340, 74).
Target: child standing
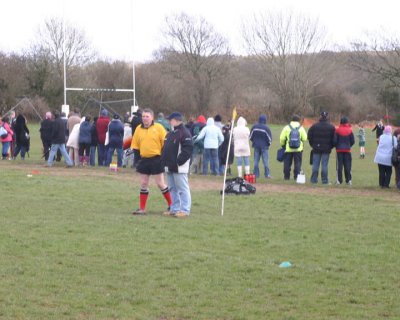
point(361, 140)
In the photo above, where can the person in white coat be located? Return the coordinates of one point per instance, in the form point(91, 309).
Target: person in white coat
point(73, 143)
point(241, 134)
point(383, 156)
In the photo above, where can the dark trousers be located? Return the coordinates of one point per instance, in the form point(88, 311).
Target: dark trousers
point(101, 154)
point(385, 173)
point(343, 160)
point(397, 172)
point(46, 149)
point(296, 158)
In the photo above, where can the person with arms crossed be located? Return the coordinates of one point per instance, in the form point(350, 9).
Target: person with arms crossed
point(147, 144)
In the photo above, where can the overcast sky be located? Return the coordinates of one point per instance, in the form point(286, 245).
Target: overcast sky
point(108, 24)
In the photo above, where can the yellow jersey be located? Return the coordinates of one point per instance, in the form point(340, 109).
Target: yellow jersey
point(149, 141)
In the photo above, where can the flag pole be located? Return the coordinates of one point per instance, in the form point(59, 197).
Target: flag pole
point(234, 114)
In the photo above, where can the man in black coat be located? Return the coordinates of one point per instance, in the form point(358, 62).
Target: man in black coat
point(176, 153)
point(58, 140)
point(321, 138)
point(46, 126)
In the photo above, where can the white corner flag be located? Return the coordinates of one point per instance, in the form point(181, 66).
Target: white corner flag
point(234, 115)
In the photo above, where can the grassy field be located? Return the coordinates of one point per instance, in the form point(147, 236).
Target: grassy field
point(70, 249)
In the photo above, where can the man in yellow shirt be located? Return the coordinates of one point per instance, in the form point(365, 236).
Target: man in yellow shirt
point(147, 144)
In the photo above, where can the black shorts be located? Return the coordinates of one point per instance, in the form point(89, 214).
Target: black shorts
point(150, 166)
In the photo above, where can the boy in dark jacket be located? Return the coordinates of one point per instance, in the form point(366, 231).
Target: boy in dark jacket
point(321, 136)
point(343, 141)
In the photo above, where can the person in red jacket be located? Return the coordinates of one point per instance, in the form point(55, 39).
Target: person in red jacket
point(343, 141)
point(101, 129)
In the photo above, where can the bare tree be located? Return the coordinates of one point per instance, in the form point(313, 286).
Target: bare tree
point(379, 56)
point(286, 47)
point(198, 55)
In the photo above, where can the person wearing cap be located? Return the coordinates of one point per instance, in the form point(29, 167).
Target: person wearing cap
point(383, 156)
point(45, 134)
point(101, 129)
point(261, 138)
point(343, 141)
point(175, 157)
point(147, 143)
point(292, 155)
point(320, 136)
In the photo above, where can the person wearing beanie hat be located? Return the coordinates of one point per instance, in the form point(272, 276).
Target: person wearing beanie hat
point(320, 137)
point(383, 156)
point(261, 138)
point(343, 141)
point(198, 147)
point(45, 134)
point(292, 138)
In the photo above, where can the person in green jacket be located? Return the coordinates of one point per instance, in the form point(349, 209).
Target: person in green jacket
point(292, 138)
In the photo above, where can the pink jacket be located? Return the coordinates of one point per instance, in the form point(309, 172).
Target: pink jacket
point(10, 133)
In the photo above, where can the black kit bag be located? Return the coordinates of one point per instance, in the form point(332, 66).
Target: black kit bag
point(239, 186)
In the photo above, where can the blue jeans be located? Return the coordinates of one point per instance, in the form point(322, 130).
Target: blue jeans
point(317, 159)
point(101, 154)
point(210, 155)
point(4, 151)
point(241, 160)
point(261, 153)
point(180, 192)
point(110, 152)
point(19, 148)
point(92, 156)
point(53, 151)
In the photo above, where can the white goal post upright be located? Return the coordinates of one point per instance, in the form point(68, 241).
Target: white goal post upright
point(65, 106)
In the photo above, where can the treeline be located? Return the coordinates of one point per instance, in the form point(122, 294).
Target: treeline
point(196, 73)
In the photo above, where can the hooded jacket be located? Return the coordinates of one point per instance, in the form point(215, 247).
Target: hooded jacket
point(241, 136)
point(284, 137)
point(344, 138)
point(212, 135)
point(383, 153)
point(85, 132)
point(260, 134)
point(116, 134)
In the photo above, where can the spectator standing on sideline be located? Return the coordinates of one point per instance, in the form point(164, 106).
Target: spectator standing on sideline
point(45, 134)
point(6, 141)
point(241, 134)
point(102, 128)
point(383, 156)
point(116, 139)
point(178, 147)
point(198, 147)
point(22, 139)
point(361, 140)
point(14, 138)
point(73, 119)
point(85, 140)
point(161, 120)
point(223, 151)
point(292, 138)
point(261, 138)
point(127, 135)
point(344, 140)
point(396, 134)
point(321, 137)
point(147, 144)
point(93, 143)
point(218, 121)
point(379, 127)
point(213, 138)
point(58, 141)
point(73, 143)
point(136, 120)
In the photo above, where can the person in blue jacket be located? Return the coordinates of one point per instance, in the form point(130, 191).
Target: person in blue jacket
point(116, 139)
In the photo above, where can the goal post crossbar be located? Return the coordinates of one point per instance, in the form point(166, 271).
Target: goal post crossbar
point(100, 90)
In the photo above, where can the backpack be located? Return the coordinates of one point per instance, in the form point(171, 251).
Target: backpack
point(294, 138)
point(239, 186)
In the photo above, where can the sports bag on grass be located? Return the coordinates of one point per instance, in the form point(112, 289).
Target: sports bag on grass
point(239, 186)
point(280, 154)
